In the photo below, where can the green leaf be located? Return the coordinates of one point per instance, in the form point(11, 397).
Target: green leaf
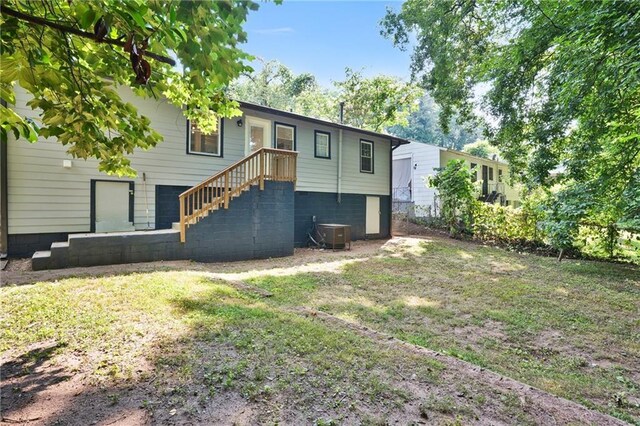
point(87, 18)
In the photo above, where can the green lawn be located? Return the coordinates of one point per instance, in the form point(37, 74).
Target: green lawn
point(570, 328)
point(194, 341)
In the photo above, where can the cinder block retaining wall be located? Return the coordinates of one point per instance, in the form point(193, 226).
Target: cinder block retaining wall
point(258, 224)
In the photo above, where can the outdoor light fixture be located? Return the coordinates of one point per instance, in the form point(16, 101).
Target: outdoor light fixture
point(239, 122)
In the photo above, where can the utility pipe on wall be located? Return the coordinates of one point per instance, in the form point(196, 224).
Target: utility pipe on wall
point(340, 154)
point(339, 166)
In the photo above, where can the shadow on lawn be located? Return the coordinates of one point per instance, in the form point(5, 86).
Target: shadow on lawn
point(26, 376)
point(35, 390)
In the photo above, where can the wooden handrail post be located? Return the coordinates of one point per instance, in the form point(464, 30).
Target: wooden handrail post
point(183, 231)
point(262, 169)
point(226, 190)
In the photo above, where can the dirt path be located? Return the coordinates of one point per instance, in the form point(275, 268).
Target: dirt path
point(19, 272)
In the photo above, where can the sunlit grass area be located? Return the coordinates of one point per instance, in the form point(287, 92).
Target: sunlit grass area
point(196, 339)
point(571, 328)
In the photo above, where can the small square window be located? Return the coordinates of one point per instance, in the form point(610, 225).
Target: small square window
point(285, 137)
point(366, 156)
point(322, 147)
point(205, 144)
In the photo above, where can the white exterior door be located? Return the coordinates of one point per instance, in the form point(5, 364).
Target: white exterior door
point(373, 216)
point(112, 207)
point(258, 134)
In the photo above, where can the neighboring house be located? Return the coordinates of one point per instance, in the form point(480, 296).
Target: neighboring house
point(413, 163)
point(264, 177)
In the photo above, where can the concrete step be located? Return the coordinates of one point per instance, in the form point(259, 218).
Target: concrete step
point(40, 260)
point(59, 246)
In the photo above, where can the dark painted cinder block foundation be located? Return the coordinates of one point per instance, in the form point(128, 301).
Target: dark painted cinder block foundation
point(23, 245)
point(168, 205)
point(350, 211)
point(258, 224)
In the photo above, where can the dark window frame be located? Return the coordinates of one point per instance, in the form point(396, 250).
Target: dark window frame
point(275, 134)
point(315, 144)
point(366, 141)
point(500, 175)
point(474, 172)
point(491, 176)
point(220, 140)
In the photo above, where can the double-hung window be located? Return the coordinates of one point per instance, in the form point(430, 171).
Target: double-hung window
point(285, 136)
point(366, 156)
point(204, 144)
point(322, 144)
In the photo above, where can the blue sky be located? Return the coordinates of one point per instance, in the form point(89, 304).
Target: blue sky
point(324, 37)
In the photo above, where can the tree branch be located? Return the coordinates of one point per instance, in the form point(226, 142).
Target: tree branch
point(40, 21)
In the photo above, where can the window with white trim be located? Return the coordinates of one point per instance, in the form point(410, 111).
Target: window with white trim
point(322, 147)
point(205, 144)
point(366, 156)
point(285, 137)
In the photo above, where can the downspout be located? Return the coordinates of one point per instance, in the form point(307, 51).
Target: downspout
point(4, 219)
point(339, 166)
point(340, 154)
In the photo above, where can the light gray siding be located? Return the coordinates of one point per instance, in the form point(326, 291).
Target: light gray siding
point(314, 174)
point(43, 196)
point(356, 182)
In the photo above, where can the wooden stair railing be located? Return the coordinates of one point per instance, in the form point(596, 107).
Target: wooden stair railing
point(217, 191)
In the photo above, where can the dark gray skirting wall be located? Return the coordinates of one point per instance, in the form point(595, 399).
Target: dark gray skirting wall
point(168, 205)
point(350, 211)
point(24, 245)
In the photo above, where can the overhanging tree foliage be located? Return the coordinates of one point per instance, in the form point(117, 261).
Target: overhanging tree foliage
point(71, 56)
point(564, 90)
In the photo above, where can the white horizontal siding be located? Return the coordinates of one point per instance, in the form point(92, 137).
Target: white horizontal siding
point(425, 159)
point(45, 197)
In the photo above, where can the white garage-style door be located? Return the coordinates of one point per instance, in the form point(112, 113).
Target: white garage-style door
point(112, 206)
point(373, 215)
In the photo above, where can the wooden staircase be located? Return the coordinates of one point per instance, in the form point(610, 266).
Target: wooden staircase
point(217, 191)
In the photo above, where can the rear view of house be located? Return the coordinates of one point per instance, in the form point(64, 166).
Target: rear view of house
point(252, 190)
point(414, 163)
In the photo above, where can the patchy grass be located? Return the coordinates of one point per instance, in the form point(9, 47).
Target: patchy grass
point(571, 328)
point(193, 345)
